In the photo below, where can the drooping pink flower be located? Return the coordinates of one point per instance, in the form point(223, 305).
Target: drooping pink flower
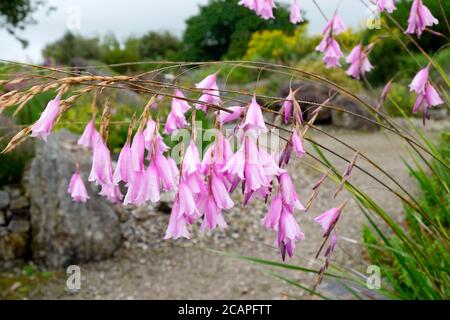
point(297, 144)
point(124, 169)
point(254, 119)
point(135, 194)
point(218, 154)
point(263, 8)
point(251, 4)
point(177, 227)
point(77, 189)
point(43, 127)
point(427, 95)
point(280, 218)
point(287, 107)
point(295, 15)
point(359, 61)
point(165, 172)
point(420, 17)
point(420, 80)
point(329, 46)
point(137, 152)
point(220, 192)
point(184, 212)
point(269, 164)
point(334, 26)
point(270, 170)
point(212, 214)
point(176, 118)
point(272, 218)
point(254, 172)
point(192, 169)
point(332, 52)
point(154, 142)
point(386, 5)
point(235, 166)
point(328, 219)
point(89, 136)
point(152, 187)
point(111, 192)
point(236, 113)
point(288, 232)
point(101, 172)
point(191, 161)
point(429, 99)
point(290, 196)
point(211, 94)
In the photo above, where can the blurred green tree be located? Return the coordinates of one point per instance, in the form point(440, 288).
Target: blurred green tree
point(159, 46)
point(72, 46)
point(223, 29)
point(17, 14)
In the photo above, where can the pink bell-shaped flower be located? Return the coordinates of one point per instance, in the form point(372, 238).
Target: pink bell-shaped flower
point(89, 136)
point(176, 118)
point(420, 17)
point(359, 62)
point(386, 5)
point(77, 189)
point(211, 94)
point(43, 127)
point(328, 219)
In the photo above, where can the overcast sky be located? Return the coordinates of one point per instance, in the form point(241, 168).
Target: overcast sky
point(135, 17)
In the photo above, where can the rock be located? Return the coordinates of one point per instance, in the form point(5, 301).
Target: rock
point(438, 113)
point(318, 94)
point(15, 193)
point(350, 121)
point(2, 218)
point(13, 246)
point(141, 213)
point(166, 202)
point(311, 92)
point(18, 225)
point(4, 199)
point(65, 232)
point(19, 203)
point(23, 214)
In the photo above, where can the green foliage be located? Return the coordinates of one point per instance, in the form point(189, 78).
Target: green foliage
point(428, 277)
point(109, 50)
point(159, 46)
point(70, 47)
point(76, 118)
point(21, 283)
point(113, 53)
point(399, 98)
point(17, 14)
point(223, 29)
point(12, 164)
point(278, 46)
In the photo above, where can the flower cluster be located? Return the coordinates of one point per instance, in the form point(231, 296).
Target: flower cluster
point(427, 96)
point(202, 186)
point(329, 46)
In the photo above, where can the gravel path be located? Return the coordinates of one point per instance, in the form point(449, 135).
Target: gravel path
point(156, 269)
